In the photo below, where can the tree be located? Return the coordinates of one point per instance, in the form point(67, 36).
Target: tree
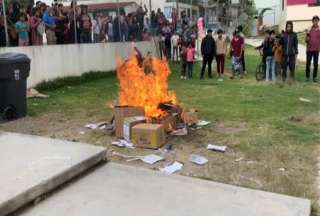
point(248, 13)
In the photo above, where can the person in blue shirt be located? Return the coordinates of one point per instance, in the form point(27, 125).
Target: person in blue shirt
point(50, 24)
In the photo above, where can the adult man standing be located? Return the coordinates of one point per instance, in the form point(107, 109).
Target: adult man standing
point(208, 51)
point(221, 52)
point(289, 44)
point(313, 48)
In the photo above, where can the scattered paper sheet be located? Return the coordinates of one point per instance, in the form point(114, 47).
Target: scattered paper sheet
point(217, 148)
point(101, 126)
point(170, 169)
point(305, 100)
point(123, 144)
point(129, 158)
point(91, 126)
point(197, 159)
point(202, 123)
point(152, 159)
point(180, 132)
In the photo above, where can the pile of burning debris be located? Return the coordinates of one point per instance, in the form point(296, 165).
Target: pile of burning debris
point(146, 110)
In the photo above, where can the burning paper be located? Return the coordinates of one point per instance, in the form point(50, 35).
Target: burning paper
point(144, 83)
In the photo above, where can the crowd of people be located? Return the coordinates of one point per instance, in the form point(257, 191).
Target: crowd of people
point(213, 47)
point(280, 52)
point(58, 24)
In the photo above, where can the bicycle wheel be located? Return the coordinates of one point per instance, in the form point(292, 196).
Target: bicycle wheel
point(260, 74)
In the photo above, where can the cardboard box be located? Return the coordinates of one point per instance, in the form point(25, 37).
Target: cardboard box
point(190, 118)
point(151, 136)
point(122, 112)
point(169, 122)
point(128, 123)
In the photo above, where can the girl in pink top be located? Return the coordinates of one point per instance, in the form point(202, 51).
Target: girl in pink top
point(190, 58)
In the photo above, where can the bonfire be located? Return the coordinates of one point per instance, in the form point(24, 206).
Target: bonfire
point(144, 83)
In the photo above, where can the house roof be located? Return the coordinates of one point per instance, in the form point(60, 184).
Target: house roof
point(108, 6)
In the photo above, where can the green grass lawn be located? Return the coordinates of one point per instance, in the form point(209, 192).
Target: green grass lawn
point(264, 123)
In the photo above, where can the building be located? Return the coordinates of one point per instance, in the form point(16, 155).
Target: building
point(227, 12)
point(300, 12)
point(191, 7)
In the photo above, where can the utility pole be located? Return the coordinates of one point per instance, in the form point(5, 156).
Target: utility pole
point(75, 21)
point(119, 25)
point(5, 22)
point(150, 7)
point(191, 12)
point(177, 6)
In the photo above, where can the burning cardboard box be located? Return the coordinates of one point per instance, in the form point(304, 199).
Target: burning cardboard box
point(143, 91)
point(129, 123)
point(122, 112)
point(151, 136)
point(190, 117)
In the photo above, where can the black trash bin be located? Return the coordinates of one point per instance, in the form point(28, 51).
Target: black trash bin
point(14, 71)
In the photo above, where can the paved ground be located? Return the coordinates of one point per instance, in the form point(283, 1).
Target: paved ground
point(31, 166)
point(120, 190)
point(302, 49)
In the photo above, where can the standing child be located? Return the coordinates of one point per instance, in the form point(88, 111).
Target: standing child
point(236, 50)
point(183, 56)
point(277, 49)
point(22, 27)
point(190, 58)
point(175, 46)
point(270, 63)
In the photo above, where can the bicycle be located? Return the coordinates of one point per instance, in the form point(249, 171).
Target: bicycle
point(261, 69)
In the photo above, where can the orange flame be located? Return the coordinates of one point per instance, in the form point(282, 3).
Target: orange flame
point(145, 84)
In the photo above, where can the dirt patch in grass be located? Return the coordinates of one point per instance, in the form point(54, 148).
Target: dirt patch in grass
point(312, 119)
point(230, 127)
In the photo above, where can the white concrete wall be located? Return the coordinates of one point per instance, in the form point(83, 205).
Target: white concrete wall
point(301, 15)
point(51, 62)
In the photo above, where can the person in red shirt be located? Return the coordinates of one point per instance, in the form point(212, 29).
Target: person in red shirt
point(236, 49)
point(313, 49)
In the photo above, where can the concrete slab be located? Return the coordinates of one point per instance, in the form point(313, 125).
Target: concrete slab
point(31, 166)
point(120, 190)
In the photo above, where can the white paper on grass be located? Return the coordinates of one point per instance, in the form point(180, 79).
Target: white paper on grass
point(217, 148)
point(101, 125)
point(123, 144)
point(176, 166)
point(197, 159)
point(203, 123)
point(305, 100)
point(91, 126)
point(151, 159)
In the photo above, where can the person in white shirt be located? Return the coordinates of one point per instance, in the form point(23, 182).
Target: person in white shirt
point(96, 30)
point(175, 46)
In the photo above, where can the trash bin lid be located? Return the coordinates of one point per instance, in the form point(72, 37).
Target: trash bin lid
point(11, 58)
